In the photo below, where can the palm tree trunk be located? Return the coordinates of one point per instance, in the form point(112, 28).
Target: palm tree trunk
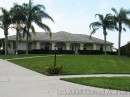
point(27, 41)
point(119, 38)
point(104, 31)
point(6, 44)
point(119, 42)
point(105, 45)
point(27, 44)
point(6, 40)
point(17, 42)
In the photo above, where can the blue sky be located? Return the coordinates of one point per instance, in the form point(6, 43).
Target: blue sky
point(74, 16)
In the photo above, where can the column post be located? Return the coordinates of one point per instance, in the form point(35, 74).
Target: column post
point(94, 47)
point(67, 46)
point(37, 45)
point(81, 46)
point(11, 45)
point(53, 46)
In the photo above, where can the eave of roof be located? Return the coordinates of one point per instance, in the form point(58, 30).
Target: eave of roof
point(62, 36)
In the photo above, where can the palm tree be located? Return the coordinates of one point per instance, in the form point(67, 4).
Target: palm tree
point(104, 23)
point(120, 18)
point(5, 22)
point(18, 19)
point(34, 14)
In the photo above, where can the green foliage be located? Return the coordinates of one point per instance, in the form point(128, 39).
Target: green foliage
point(105, 23)
point(120, 19)
point(5, 22)
point(54, 69)
point(34, 14)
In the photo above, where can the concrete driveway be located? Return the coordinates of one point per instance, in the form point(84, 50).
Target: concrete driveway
point(16, 81)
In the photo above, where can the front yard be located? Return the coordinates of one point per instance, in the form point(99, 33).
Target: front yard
point(76, 64)
point(82, 64)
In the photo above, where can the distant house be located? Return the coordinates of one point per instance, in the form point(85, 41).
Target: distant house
point(63, 41)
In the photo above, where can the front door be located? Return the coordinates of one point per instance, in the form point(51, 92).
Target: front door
point(75, 48)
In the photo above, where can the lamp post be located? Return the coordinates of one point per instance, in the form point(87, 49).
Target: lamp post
point(55, 56)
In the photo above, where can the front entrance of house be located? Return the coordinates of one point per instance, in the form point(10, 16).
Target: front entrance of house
point(75, 47)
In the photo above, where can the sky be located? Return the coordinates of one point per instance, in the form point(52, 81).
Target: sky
point(75, 16)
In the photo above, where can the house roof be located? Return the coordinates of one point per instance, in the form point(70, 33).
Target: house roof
point(62, 36)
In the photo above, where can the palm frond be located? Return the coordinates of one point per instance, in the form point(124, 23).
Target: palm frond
point(33, 29)
point(95, 25)
point(100, 16)
point(44, 27)
point(124, 29)
point(114, 10)
point(93, 31)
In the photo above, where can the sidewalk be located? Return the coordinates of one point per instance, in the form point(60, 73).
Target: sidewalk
point(16, 81)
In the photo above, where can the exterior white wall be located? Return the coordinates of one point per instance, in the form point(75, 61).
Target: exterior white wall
point(97, 47)
point(66, 46)
point(38, 45)
point(22, 46)
point(33, 45)
point(108, 48)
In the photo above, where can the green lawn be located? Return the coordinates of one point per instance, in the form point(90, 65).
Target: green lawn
point(116, 83)
point(77, 64)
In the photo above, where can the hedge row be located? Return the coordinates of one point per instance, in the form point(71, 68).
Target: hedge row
point(95, 52)
point(86, 52)
point(46, 52)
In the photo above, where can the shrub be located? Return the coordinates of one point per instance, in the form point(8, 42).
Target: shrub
point(111, 52)
point(95, 52)
point(2, 52)
point(54, 69)
point(90, 52)
point(42, 51)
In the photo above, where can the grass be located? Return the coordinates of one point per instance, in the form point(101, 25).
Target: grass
point(116, 83)
point(77, 64)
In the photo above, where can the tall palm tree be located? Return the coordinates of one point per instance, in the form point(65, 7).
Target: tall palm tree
point(18, 18)
point(120, 18)
point(5, 22)
point(34, 14)
point(103, 23)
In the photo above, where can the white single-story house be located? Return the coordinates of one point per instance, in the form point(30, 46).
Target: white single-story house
point(63, 40)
